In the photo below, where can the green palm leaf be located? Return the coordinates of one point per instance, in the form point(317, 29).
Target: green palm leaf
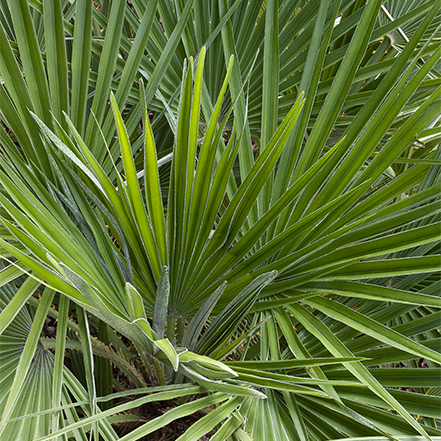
point(235, 204)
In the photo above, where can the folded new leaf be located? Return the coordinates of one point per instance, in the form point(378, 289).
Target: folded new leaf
point(203, 363)
point(136, 310)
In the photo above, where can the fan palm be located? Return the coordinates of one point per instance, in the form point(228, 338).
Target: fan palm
point(229, 209)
